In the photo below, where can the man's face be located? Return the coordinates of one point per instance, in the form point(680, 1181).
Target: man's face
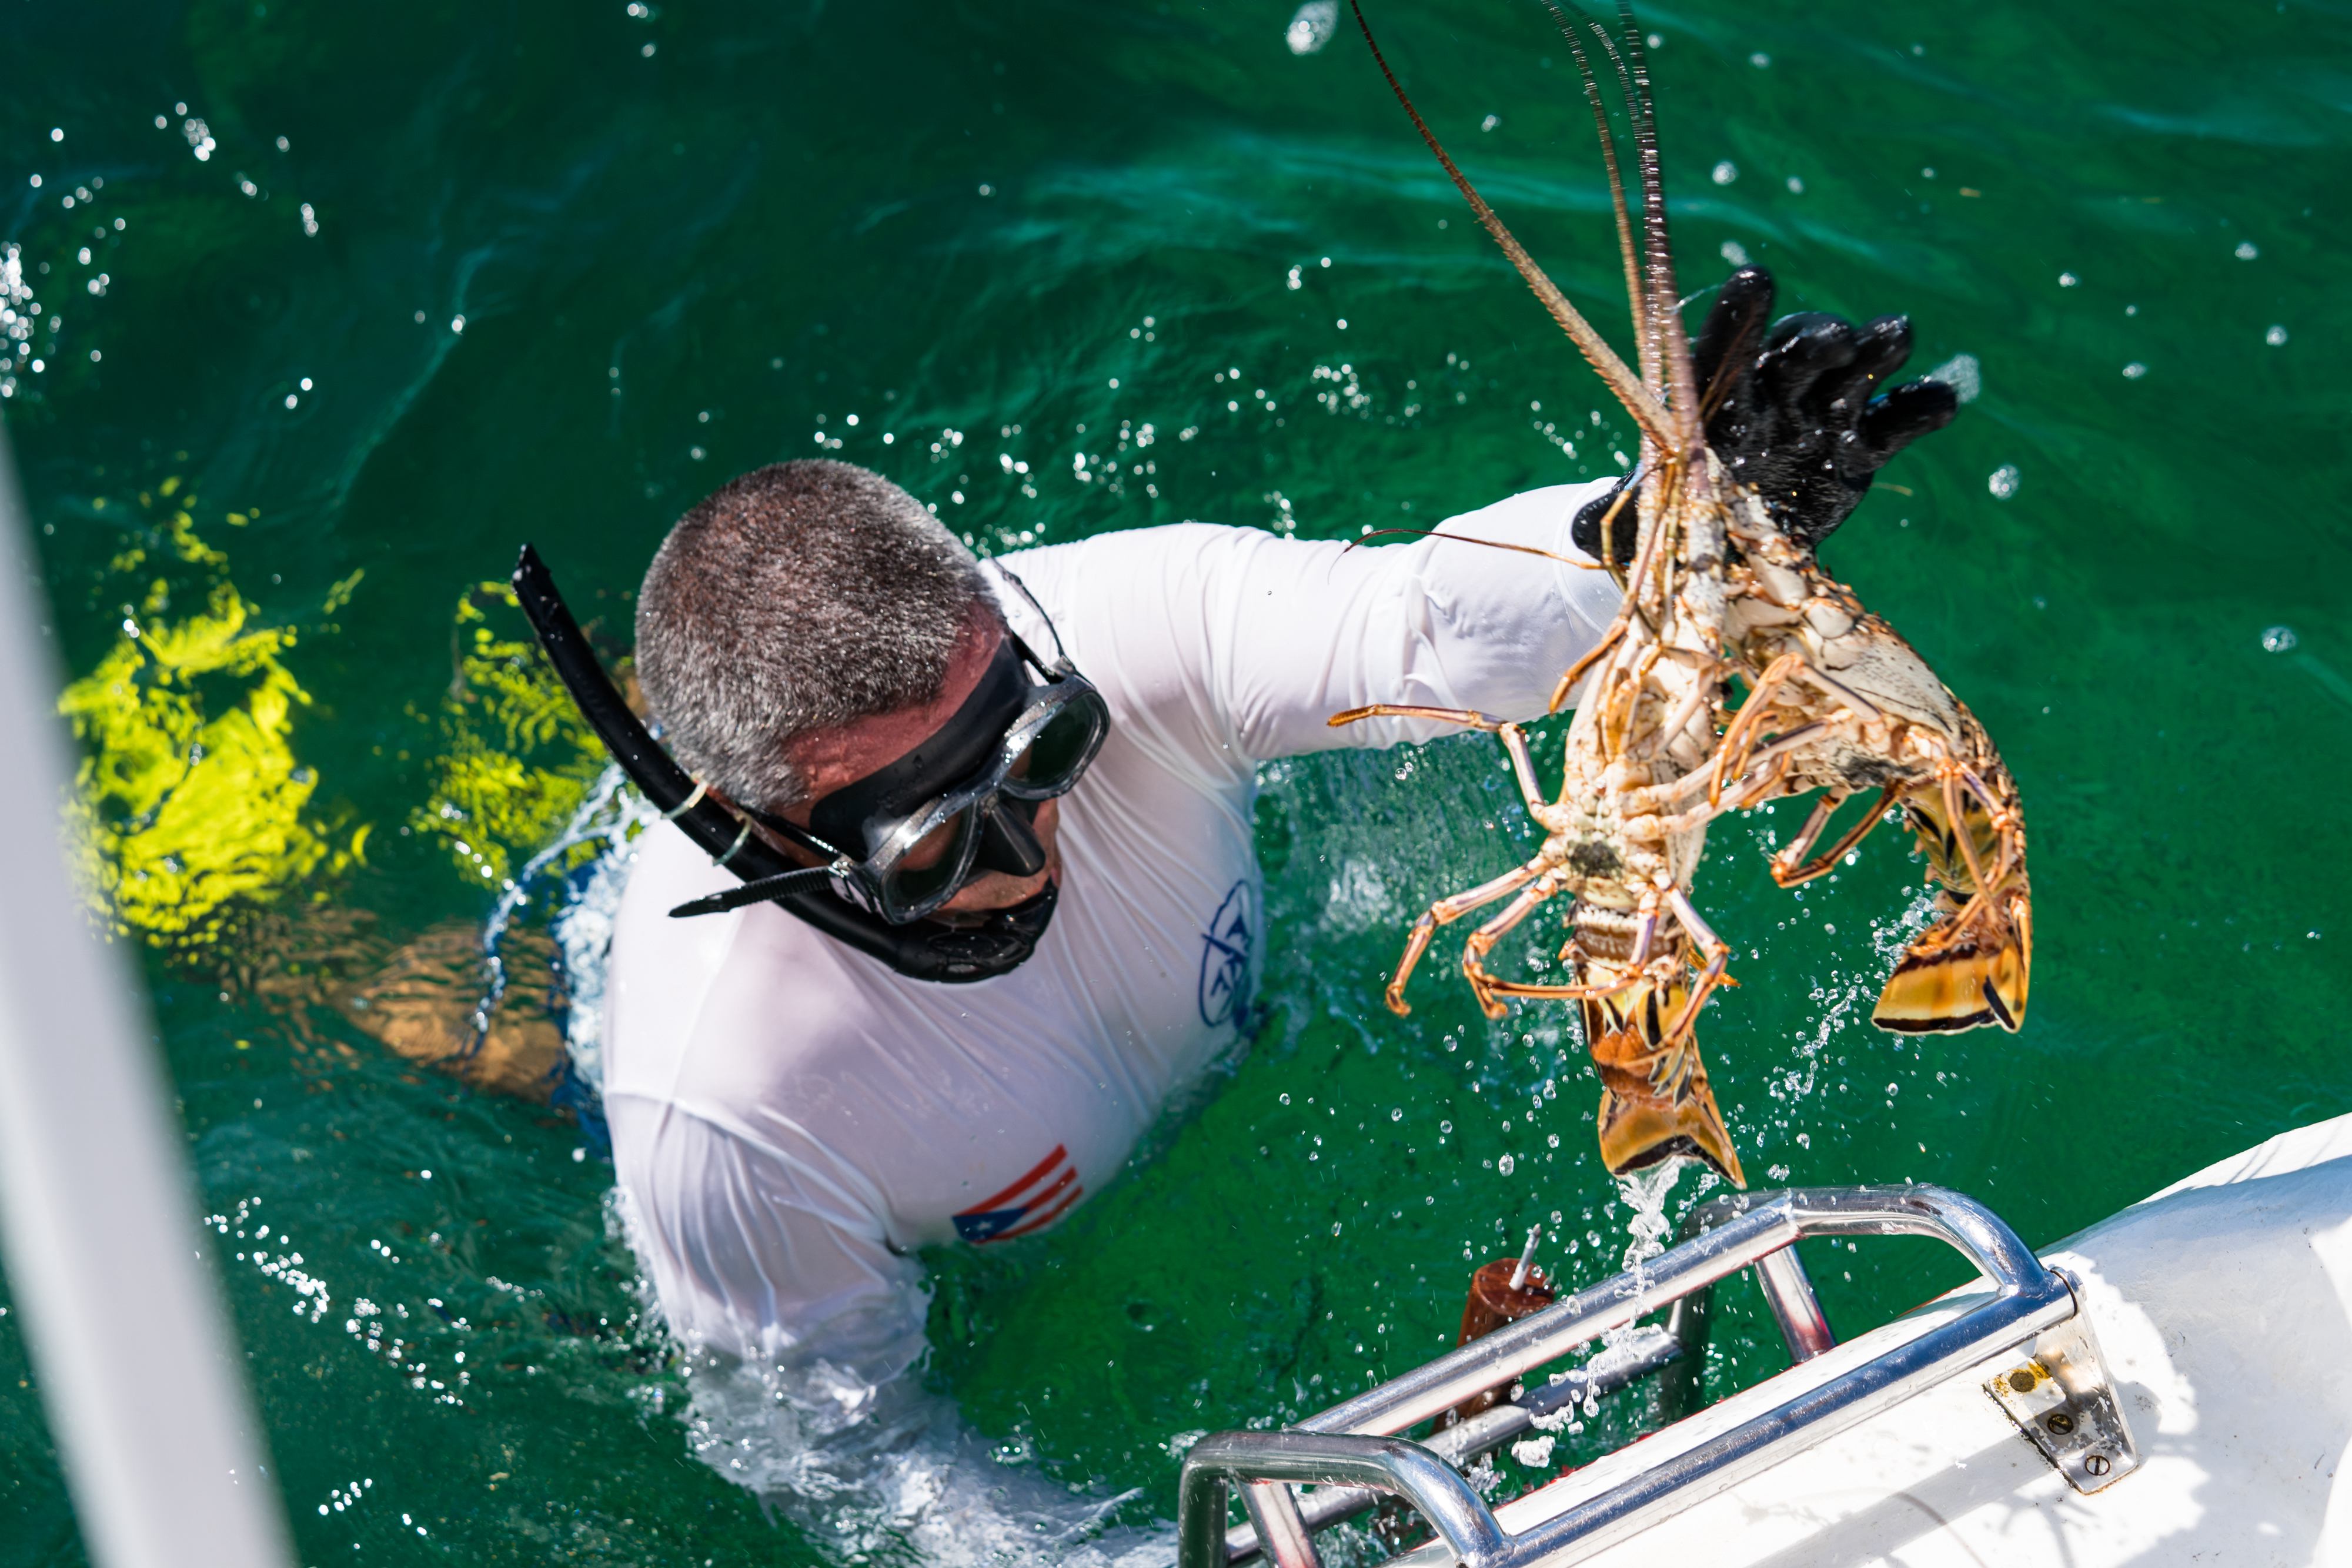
point(829, 758)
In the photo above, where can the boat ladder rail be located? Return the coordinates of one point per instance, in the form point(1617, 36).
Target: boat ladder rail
point(2058, 1392)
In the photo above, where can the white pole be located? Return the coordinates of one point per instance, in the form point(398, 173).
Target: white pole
point(138, 1370)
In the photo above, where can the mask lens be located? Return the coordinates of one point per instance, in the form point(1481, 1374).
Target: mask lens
point(1060, 751)
point(936, 865)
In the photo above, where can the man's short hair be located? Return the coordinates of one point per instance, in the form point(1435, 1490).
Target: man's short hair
point(800, 597)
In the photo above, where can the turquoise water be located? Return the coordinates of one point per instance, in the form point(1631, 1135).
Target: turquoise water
point(684, 243)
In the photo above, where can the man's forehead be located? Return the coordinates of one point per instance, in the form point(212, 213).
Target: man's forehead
point(828, 759)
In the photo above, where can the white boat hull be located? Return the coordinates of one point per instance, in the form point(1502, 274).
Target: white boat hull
point(2223, 1308)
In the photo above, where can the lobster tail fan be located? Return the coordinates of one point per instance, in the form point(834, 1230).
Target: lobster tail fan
point(1656, 1104)
point(1950, 979)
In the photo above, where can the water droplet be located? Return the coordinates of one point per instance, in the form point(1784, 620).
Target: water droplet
point(1962, 375)
point(1725, 171)
point(2003, 482)
point(1312, 26)
point(2246, 251)
point(2278, 639)
point(2275, 337)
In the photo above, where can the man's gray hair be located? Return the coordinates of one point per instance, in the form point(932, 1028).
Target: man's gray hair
point(800, 597)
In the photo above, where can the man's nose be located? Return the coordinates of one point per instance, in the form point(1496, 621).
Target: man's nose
point(1008, 843)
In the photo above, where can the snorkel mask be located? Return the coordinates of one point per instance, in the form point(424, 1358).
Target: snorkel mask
point(900, 842)
point(906, 838)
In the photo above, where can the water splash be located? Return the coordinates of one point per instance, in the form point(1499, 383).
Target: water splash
point(611, 814)
point(892, 1473)
point(1963, 375)
point(584, 935)
point(1646, 1194)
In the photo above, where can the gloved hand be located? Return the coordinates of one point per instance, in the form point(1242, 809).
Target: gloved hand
point(1794, 417)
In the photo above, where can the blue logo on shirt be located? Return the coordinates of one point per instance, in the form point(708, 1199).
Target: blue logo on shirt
point(1225, 950)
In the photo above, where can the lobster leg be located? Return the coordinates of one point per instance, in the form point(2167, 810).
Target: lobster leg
point(1787, 872)
point(1469, 718)
point(1731, 752)
point(1529, 991)
point(1593, 656)
point(1966, 841)
point(1486, 986)
point(1447, 911)
point(1719, 955)
point(1523, 768)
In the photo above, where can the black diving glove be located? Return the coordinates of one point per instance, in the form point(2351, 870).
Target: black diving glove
point(1793, 416)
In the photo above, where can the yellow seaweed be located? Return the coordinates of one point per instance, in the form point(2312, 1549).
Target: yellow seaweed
point(189, 800)
point(179, 810)
point(515, 760)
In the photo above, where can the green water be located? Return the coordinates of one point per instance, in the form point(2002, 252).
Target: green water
point(687, 244)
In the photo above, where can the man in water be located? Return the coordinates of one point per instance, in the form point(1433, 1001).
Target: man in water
point(1041, 769)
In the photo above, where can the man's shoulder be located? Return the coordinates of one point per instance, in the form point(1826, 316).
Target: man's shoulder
point(1119, 550)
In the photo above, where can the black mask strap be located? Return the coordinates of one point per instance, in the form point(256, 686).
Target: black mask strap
point(951, 754)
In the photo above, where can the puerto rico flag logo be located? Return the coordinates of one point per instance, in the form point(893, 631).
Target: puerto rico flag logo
point(1031, 1204)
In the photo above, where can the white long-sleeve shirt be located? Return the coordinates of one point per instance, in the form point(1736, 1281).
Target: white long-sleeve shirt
point(790, 1119)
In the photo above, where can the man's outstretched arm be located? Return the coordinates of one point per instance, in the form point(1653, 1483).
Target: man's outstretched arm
point(1222, 647)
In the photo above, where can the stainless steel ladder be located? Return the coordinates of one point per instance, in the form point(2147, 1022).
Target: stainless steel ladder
point(2058, 1394)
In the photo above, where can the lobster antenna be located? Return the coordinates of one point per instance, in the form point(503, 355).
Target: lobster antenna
point(1664, 296)
point(1726, 369)
point(1639, 401)
point(1633, 293)
point(1647, 306)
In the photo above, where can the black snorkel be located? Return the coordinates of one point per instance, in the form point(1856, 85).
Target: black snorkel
point(920, 949)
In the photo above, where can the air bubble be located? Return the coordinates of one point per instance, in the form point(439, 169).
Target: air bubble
point(1312, 26)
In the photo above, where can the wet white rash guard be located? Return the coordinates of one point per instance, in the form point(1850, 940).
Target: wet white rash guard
point(790, 1119)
